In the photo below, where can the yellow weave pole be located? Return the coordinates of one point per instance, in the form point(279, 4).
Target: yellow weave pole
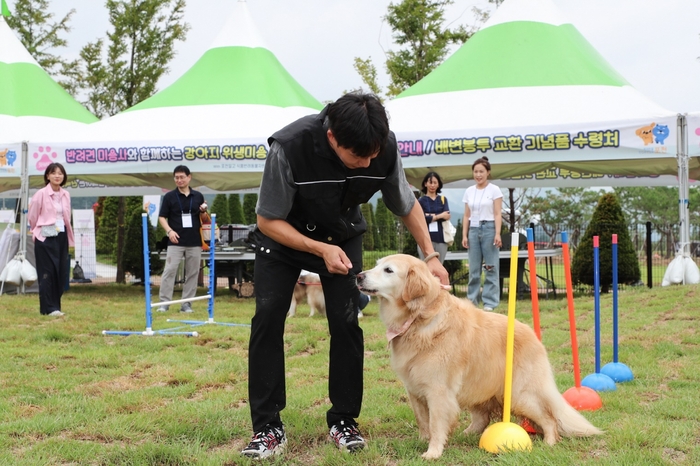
point(507, 436)
point(510, 335)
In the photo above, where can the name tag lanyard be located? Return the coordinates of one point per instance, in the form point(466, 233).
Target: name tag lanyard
point(186, 217)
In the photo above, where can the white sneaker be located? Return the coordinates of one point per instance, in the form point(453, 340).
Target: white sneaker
point(56, 314)
point(347, 437)
point(162, 309)
point(270, 441)
point(486, 308)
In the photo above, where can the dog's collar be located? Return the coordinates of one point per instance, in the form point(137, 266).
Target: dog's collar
point(391, 334)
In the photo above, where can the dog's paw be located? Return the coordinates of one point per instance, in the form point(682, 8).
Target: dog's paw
point(431, 454)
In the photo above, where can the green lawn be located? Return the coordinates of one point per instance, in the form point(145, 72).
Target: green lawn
point(72, 396)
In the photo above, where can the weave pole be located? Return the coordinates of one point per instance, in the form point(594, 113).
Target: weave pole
point(580, 397)
point(616, 370)
point(508, 436)
point(597, 381)
point(212, 286)
point(147, 285)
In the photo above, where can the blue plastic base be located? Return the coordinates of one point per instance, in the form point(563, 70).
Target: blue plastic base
point(618, 372)
point(599, 382)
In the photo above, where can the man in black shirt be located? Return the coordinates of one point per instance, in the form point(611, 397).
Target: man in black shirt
point(179, 216)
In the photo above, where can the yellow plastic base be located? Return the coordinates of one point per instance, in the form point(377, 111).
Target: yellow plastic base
point(505, 436)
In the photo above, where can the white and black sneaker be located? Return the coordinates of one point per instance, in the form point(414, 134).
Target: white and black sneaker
point(267, 442)
point(347, 436)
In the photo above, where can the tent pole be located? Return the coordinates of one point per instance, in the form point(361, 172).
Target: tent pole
point(24, 202)
point(683, 187)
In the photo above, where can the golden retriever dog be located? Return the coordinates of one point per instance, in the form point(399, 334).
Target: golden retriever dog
point(308, 287)
point(451, 357)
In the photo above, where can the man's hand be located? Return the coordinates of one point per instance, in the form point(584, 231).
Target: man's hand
point(437, 269)
point(336, 260)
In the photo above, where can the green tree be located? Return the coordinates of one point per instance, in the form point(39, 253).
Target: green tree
point(423, 41)
point(368, 237)
point(658, 205)
point(41, 36)
point(249, 202)
point(105, 238)
point(139, 48)
point(133, 255)
point(220, 208)
point(387, 226)
point(571, 207)
point(608, 219)
point(235, 209)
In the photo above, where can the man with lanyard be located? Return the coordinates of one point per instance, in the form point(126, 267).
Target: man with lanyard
point(317, 173)
point(179, 216)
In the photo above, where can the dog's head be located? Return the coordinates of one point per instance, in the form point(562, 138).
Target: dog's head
point(401, 280)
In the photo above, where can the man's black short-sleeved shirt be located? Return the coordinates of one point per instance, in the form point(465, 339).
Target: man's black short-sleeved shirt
point(173, 206)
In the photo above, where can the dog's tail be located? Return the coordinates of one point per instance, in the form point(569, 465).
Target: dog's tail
point(570, 422)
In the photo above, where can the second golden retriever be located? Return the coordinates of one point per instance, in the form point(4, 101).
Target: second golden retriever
point(308, 287)
point(451, 357)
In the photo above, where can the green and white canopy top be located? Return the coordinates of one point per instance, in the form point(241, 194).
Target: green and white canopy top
point(237, 89)
point(32, 105)
point(528, 73)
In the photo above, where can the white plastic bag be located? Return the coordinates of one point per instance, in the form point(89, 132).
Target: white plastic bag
point(448, 232)
point(12, 273)
point(28, 273)
point(674, 272)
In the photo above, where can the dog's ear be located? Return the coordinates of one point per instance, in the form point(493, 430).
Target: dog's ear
point(416, 286)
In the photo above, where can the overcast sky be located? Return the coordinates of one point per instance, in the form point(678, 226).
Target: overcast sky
point(654, 45)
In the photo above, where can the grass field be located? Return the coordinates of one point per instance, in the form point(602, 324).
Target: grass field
point(72, 396)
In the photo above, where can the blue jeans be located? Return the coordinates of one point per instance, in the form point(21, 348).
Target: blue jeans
point(481, 249)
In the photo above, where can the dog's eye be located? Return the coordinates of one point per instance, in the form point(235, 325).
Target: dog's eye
point(388, 270)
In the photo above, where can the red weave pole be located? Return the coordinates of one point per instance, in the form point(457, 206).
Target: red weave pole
point(572, 314)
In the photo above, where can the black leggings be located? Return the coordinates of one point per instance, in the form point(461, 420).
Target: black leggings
point(274, 285)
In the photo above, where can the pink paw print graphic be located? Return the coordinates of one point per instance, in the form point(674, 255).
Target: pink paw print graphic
point(44, 155)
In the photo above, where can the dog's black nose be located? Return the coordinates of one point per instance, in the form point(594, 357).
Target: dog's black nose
point(360, 277)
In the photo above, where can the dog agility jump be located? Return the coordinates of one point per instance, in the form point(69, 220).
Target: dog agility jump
point(150, 305)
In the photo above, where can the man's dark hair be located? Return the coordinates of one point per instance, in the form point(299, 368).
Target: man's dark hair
point(359, 123)
point(182, 169)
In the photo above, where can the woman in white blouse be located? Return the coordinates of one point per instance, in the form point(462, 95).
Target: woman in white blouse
point(482, 235)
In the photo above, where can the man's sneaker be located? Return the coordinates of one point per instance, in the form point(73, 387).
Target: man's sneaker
point(162, 309)
point(347, 436)
point(186, 307)
point(267, 442)
point(56, 313)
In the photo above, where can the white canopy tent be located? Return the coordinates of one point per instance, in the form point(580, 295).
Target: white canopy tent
point(215, 119)
point(32, 107)
point(530, 93)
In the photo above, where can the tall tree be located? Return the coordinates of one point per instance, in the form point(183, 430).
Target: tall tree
point(138, 51)
point(423, 42)
point(235, 209)
point(658, 205)
point(607, 220)
point(568, 206)
point(41, 36)
point(249, 202)
point(368, 237)
point(220, 208)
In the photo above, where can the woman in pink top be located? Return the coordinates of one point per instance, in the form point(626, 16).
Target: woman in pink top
point(49, 220)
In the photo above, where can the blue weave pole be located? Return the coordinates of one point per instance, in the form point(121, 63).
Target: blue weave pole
point(616, 370)
point(149, 316)
point(597, 381)
point(212, 286)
